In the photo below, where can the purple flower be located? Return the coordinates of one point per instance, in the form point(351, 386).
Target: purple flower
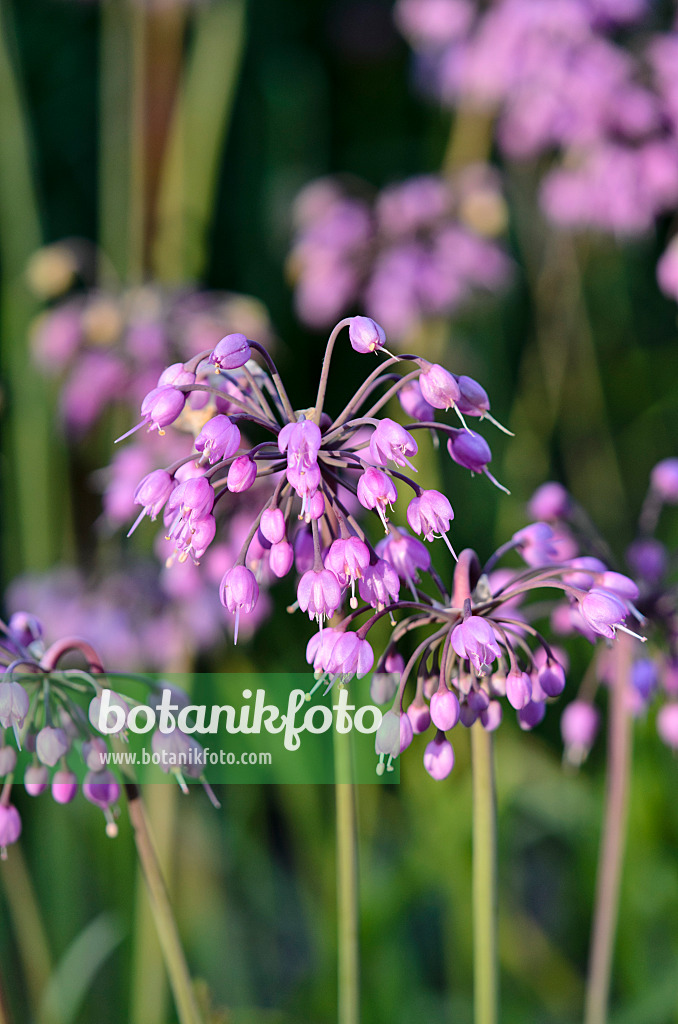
point(376, 490)
point(667, 725)
point(430, 514)
point(602, 612)
point(10, 827)
point(393, 736)
point(535, 544)
point(644, 678)
point(474, 639)
point(238, 592)
point(391, 441)
point(531, 714)
point(7, 760)
point(51, 744)
point(241, 474)
point(190, 500)
point(176, 375)
point(348, 559)
point(414, 403)
point(469, 450)
point(439, 757)
point(319, 649)
point(272, 525)
point(444, 708)
point(664, 480)
point(64, 787)
point(550, 501)
point(578, 727)
point(365, 335)
point(152, 493)
point(161, 406)
point(302, 443)
point(351, 656)
point(551, 678)
point(14, 705)
point(218, 439)
point(281, 558)
point(438, 387)
point(379, 585)
point(24, 628)
point(406, 554)
point(491, 716)
point(230, 353)
point(36, 778)
point(648, 558)
point(473, 399)
point(101, 789)
point(319, 594)
point(518, 689)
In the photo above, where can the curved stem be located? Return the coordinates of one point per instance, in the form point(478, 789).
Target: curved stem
point(608, 883)
point(325, 372)
point(485, 974)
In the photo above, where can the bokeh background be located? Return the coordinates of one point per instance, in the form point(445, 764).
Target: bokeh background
point(166, 145)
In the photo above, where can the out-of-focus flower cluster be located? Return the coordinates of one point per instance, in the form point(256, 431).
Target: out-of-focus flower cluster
point(480, 644)
point(589, 88)
point(417, 250)
point(654, 669)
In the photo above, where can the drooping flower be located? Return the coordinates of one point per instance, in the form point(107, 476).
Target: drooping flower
point(475, 640)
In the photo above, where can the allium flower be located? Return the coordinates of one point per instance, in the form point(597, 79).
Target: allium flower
point(439, 757)
point(430, 514)
point(375, 491)
point(230, 353)
point(218, 439)
point(64, 787)
point(14, 704)
point(51, 745)
point(152, 493)
point(438, 387)
point(365, 335)
point(241, 474)
point(319, 593)
point(10, 827)
point(239, 592)
point(392, 442)
point(379, 584)
point(474, 639)
point(603, 612)
point(664, 480)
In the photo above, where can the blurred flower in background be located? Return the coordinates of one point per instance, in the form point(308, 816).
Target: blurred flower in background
point(416, 250)
point(585, 91)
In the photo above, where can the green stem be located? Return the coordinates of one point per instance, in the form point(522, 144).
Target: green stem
point(485, 973)
point(613, 839)
point(347, 884)
point(175, 961)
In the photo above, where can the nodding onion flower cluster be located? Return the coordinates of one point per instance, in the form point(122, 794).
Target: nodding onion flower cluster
point(53, 712)
point(318, 466)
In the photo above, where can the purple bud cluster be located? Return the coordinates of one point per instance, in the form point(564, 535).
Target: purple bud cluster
point(419, 249)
